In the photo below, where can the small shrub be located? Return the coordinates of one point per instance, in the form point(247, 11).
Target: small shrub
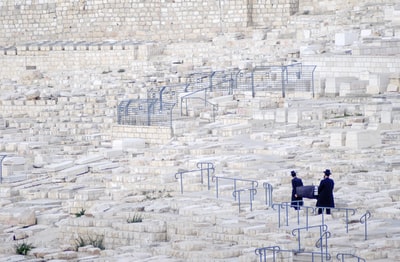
point(23, 248)
point(137, 218)
point(95, 242)
point(80, 213)
point(80, 242)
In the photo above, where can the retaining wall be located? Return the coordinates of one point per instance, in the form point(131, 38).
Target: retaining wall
point(91, 20)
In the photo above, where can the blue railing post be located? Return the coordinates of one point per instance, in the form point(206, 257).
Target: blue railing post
point(284, 69)
point(216, 185)
point(268, 193)
point(1, 167)
point(322, 229)
point(181, 182)
point(347, 215)
point(279, 213)
point(210, 166)
point(234, 193)
point(253, 92)
point(286, 206)
point(341, 256)
point(234, 186)
point(253, 185)
point(363, 220)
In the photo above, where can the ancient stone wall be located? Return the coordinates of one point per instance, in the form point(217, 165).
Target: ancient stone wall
point(93, 20)
point(66, 56)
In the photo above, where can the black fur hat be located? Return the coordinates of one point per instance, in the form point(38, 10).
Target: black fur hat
point(327, 172)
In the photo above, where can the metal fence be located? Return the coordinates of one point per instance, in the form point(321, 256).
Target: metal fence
point(283, 78)
point(295, 77)
point(157, 109)
point(145, 112)
point(198, 81)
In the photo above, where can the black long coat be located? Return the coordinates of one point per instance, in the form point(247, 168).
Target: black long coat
point(296, 201)
point(325, 193)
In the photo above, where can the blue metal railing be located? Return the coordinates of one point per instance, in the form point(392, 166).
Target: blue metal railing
point(341, 257)
point(286, 206)
point(296, 77)
point(1, 167)
point(198, 80)
point(145, 112)
point(223, 81)
point(322, 229)
point(170, 93)
point(244, 80)
point(206, 166)
point(268, 193)
point(253, 183)
point(252, 193)
point(310, 210)
point(347, 210)
point(262, 253)
point(363, 220)
point(209, 167)
point(323, 242)
point(192, 95)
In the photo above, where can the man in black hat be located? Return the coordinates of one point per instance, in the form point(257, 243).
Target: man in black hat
point(325, 193)
point(296, 200)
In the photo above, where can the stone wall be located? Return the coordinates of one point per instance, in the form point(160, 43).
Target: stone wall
point(152, 134)
point(91, 20)
point(375, 71)
point(71, 56)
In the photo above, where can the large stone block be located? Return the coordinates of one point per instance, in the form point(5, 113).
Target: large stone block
point(59, 166)
point(11, 165)
point(346, 38)
point(333, 84)
point(129, 143)
point(362, 139)
point(89, 159)
point(294, 115)
point(281, 115)
point(378, 83)
point(337, 138)
point(17, 216)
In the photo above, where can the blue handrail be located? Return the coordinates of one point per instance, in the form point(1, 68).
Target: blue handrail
point(206, 102)
point(209, 167)
point(1, 167)
point(363, 220)
point(252, 193)
point(268, 193)
point(287, 206)
point(346, 209)
point(322, 229)
point(319, 244)
point(254, 183)
point(262, 253)
point(341, 256)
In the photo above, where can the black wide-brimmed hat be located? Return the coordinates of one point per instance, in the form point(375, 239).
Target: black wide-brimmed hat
point(327, 172)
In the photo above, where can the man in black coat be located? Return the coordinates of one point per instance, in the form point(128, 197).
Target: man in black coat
point(296, 200)
point(325, 193)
